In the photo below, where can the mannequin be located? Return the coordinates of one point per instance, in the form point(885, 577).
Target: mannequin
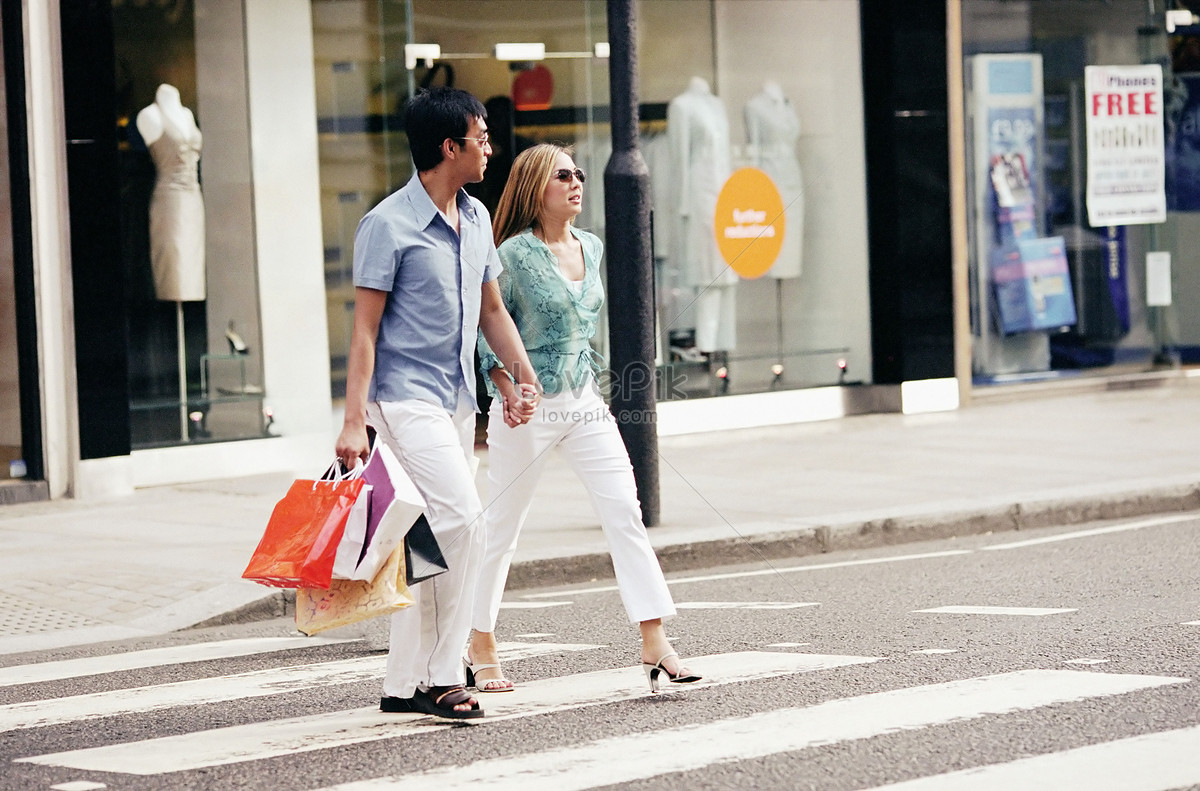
point(176, 215)
point(176, 207)
point(772, 128)
point(698, 134)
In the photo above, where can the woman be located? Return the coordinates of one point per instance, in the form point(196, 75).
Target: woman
point(551, 286)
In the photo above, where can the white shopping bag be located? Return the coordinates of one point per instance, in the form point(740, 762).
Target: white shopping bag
point(395, 505)
point(350, 548)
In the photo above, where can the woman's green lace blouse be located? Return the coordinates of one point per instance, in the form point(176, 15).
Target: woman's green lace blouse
point(555, 322)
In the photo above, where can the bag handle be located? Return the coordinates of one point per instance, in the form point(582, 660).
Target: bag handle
point(337, 472)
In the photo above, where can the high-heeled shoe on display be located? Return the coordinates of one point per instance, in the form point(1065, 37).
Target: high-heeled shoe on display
point(501, 684)
point(653, 671)
point(236, 344)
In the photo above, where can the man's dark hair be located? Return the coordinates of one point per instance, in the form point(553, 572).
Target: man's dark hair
point(432, 116)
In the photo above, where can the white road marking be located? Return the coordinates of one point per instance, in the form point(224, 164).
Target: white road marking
point(255, 683)
point(302, 734)
point(787, 645)
point(531, 605)
point(743, 605)
point(935, 651)
point(1191, 623)
point(1085, 661)
point(765, 572)
point(534, 635)
point(1154, 762)
point(78, 785)
point(153, 657)
point(641, 756)
point(1097, 531)
point(1030, 611)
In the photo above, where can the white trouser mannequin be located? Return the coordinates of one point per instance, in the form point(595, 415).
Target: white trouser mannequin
point(436, 450)
point(582, 427)
point(716, 322)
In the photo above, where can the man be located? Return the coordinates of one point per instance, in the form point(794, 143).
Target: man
point(425, 273)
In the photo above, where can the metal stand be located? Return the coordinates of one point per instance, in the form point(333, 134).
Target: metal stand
point(183, 394)
point(777, 368)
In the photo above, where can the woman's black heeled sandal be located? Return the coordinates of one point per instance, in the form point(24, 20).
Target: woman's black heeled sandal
point(653, 671)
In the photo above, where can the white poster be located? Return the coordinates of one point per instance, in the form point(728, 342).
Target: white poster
point(1126, 163)
point(1158, 278)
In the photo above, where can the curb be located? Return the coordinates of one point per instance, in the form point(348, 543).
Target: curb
point(812, 540)
point(807, 541)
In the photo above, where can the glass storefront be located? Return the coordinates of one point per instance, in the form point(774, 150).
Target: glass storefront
point(187, 234)
point(722, 86)
point(1055, 292)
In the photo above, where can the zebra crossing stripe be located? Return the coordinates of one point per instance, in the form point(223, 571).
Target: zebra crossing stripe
point(153, 657)
point(256, 683)
point(641, 756)
point(1154, 762)
point(1034, 612)
point(744, 605)
point(302, 734)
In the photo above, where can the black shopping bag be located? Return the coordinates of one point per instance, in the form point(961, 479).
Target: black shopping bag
point(422, 555)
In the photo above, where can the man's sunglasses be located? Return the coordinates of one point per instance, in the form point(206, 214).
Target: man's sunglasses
point(563, 174)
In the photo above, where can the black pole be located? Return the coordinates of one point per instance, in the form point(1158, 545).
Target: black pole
point(630, 264)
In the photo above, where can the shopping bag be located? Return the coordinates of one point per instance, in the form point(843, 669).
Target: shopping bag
point(350, 601)
point(300, 543)
point(422, 555)
point(395, 504)
point(350, 548)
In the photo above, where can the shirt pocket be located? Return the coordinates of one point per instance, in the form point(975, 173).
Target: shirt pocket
point(429, 277)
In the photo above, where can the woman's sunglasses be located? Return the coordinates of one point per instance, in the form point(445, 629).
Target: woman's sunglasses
point(563, 174)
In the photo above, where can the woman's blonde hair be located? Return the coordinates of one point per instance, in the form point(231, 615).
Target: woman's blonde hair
point(522, 204)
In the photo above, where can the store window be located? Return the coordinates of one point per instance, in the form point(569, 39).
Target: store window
point(195, 360)
point(12, 464)
point(721, 87)
point(1056, 293)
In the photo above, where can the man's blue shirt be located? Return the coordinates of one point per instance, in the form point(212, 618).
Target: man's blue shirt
point(426, 343)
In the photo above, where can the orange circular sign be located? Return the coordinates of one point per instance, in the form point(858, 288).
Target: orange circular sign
point(749, 222)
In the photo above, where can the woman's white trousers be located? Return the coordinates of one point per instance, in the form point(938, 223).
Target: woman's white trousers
point(581, 426)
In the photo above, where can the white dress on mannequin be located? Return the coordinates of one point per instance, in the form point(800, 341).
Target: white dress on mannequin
point(176, 206)
point(772, 128)
point(698, 132)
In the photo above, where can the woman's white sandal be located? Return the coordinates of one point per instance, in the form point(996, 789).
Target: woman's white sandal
point(501, 684)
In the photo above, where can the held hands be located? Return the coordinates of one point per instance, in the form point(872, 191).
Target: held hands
point(520, 402)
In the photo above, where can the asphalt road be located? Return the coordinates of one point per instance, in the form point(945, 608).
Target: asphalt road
point(822, 673)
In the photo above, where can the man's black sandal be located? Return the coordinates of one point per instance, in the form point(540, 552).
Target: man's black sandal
point(438, 701)
point(395, 705)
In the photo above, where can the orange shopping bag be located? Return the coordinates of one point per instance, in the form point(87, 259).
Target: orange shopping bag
point(300, 543)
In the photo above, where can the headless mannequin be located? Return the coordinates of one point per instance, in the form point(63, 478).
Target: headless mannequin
point(698, 133)
point(176, 207)
point(176, 215)
point(772, 128)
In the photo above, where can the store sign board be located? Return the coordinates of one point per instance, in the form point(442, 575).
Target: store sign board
point(1126, 158)
point(750, 222)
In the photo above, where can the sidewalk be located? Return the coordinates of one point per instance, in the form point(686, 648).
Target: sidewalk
point(171, 557)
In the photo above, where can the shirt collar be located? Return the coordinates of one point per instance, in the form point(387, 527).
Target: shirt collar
point(424, 207)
